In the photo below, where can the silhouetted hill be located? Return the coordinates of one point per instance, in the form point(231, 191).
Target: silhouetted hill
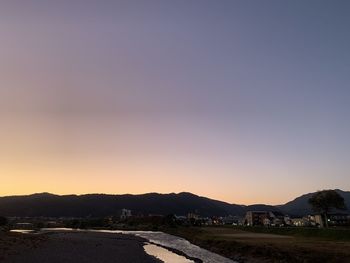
point(104, 205)
point(261, 207)
point(300, 206)
point(96, 205)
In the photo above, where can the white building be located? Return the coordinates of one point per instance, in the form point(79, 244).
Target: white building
point(125, 213)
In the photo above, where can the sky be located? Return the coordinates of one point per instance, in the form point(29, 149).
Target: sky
point(241, 101)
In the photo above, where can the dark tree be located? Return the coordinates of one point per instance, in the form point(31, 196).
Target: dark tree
point(170, 220)
point(324, 201)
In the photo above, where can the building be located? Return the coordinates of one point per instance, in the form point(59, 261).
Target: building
point(339, 219)
point(300, 221)
point(334, 219)
point(232, 220)
point(264, 218)
point(192, 216)
point(256, 218)
point(277, 218)
point(125, 213)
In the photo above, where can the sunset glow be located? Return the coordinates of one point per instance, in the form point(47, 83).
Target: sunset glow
point(238, 102)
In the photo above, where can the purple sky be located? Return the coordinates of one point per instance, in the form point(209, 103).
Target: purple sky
point(244, 101)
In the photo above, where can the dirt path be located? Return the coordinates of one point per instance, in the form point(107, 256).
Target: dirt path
point(78, 247)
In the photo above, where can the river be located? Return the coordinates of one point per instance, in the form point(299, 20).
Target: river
point(157, 245)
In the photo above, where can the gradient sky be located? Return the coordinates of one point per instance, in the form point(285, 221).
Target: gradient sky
point(243, 101)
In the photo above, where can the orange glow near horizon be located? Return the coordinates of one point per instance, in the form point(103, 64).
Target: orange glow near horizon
point(137, 157)
point(99, 177)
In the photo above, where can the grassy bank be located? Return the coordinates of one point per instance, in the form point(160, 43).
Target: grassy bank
point(334, 234)
point(270, 245)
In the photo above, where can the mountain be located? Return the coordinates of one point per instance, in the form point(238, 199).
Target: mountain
point(261, 207)
point(300, 206)
point(96, 205)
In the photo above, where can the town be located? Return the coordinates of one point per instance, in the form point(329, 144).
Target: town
point(126, 219)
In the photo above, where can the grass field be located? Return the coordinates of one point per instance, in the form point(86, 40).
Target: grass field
point(253, 244)
point(335, 234)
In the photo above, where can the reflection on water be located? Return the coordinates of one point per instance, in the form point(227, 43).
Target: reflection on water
point(177, 243)
point(23, 231)
point(59, 229)
point(183, 245)
point(164, 254)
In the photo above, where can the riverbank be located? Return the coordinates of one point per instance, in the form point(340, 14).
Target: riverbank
point(252, 246)
point(71, 247)
point(12, 243)
point(248, 245)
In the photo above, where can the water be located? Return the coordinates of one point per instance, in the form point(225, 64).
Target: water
point(182, 245)
point(23, 231)
point(164, 254)
point(177, 243)
point(166, 240)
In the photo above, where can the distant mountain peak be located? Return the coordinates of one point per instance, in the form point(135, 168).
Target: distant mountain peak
point(300, 205)
point(44, 194)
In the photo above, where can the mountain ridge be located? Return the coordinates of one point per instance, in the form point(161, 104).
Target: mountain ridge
point(99, 204)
